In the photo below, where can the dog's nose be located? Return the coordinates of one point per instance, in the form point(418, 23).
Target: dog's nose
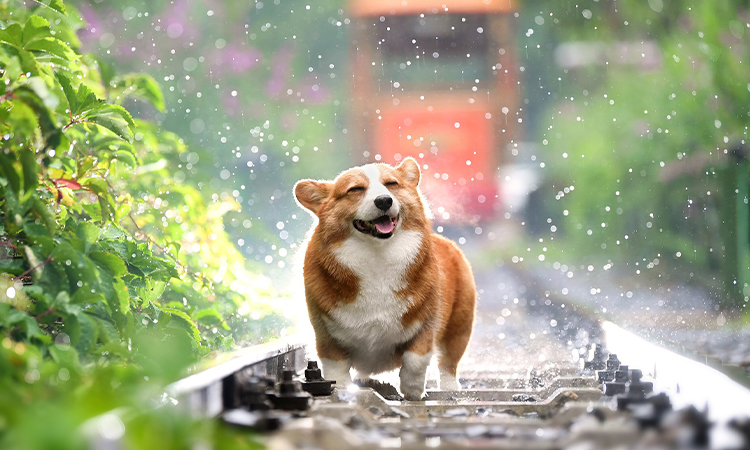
point(383, 202)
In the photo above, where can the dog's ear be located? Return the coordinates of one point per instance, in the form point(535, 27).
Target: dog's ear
point(311, 194)
point(409, 170)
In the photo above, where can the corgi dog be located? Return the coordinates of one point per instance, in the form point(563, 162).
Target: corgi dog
point(383, 291)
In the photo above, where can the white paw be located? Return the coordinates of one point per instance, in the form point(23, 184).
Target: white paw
point(337, 371)
point(412, 375)
point(448, 382)
point(413, 390)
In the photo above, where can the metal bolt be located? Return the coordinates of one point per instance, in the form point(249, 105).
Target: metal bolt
point(614, 388)
point(313, 373)
point(621, 375)
point(612, 362)
point(287, 385)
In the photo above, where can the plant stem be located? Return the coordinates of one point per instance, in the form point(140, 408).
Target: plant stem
point(25, 274)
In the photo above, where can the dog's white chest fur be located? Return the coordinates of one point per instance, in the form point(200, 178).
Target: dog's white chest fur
point(370, 327)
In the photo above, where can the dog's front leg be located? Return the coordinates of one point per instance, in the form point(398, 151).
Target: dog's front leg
point(334, 360)
point(414, 364)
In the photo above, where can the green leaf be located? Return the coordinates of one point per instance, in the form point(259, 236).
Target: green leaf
point(70, 93)
point(126, 157)
point(8, 171)
point(42, 211)
point(115, 119)
point(56, 5)
point(32, 330)
point(85, 296)
point(122, 112)
point(35, 27)
point(38, 86)
point(36, 96)
point(123, 297)
point(117, 348)
point(151, 291)
point(52, 46)
point(112, 232)
point(184, 321)
point(108, 142)
point(65, 356)
point(113, 123)
point(89, 333)
point(12, 317)
point(88, 233)
point(12, 34)
point(118, 247)
point(29, 63)
point(11, 266)
point(30, 170)
point(107, 330)
point(99, 187)
point(86, 100)
point(109, 263)
point(84, 164)
point(209, 317)
point(141, 86)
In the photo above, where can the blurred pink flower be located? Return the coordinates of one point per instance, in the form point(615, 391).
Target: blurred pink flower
point(313, 90)
point(280, 70)
point(235, 58)
point(232, 104)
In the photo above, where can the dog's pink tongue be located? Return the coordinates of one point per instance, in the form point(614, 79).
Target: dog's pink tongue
point(384, 224)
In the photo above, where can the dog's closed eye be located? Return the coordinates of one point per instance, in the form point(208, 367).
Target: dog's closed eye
point(355, 189)
point(391, 183)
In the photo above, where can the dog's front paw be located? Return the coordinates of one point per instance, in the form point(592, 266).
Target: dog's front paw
point(448, 381)
point(412, 375)
point(337, 371)
point(412, 393)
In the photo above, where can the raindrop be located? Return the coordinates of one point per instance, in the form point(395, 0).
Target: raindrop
point(197, 126)
point(190, 64)
point(656, 5)
point(129, 13)
point(174, 30)
point(111, 427)
point(62, 341)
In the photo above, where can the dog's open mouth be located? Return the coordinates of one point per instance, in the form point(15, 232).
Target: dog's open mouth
point(381, 228)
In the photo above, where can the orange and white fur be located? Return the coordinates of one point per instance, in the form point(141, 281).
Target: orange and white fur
point(383, 291)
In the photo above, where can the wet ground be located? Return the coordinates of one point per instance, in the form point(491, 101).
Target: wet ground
point(520, 322)
point(514, 331)
point(678, 316)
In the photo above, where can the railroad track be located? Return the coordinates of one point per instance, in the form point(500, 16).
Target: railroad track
point(538, 375)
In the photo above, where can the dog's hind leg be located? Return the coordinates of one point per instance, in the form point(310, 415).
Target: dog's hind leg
point(454, 341)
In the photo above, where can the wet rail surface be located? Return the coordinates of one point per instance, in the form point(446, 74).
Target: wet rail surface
point(535, 376)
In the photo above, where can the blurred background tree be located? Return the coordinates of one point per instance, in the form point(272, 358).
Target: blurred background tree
point(260, 87)
point(643, 119)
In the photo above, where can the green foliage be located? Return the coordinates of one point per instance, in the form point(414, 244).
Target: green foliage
point(111, 271)
point(637, 154)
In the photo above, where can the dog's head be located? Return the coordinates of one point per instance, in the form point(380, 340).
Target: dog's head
point(375, 200)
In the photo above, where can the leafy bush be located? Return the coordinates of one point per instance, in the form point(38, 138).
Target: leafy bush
point(639, 155)
point(111, 270)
